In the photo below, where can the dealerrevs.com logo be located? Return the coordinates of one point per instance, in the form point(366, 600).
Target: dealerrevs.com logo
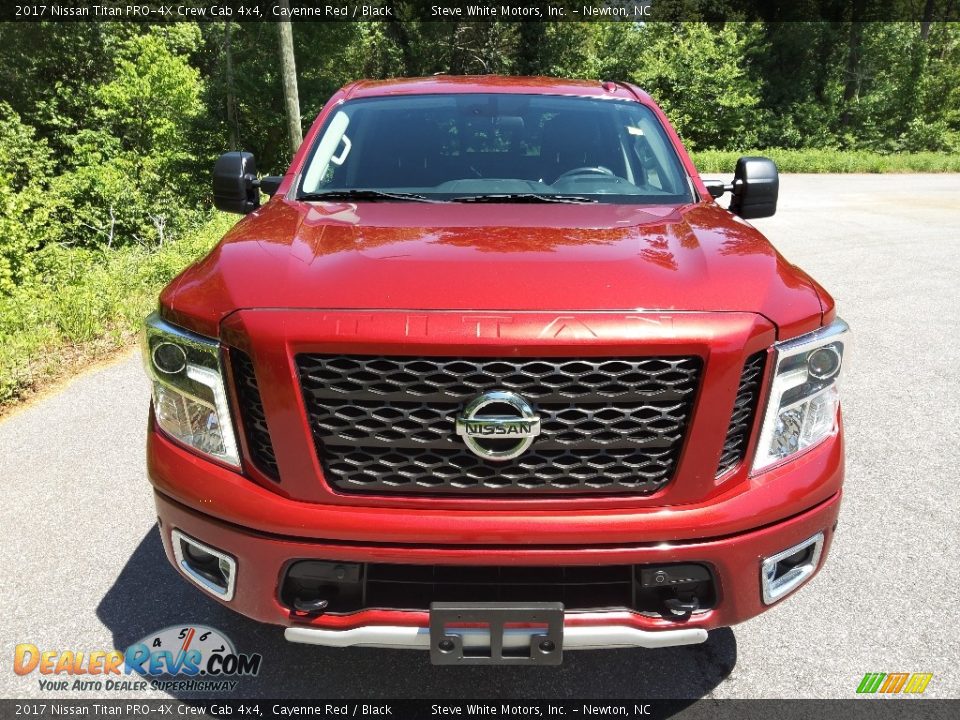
point(180, 657)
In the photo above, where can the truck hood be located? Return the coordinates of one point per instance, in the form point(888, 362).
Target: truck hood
point(516, 257)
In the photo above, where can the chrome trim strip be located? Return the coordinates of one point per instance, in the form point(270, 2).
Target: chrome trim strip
point(789, 348)
point(418, 638)
point(774, 590)
point(155, 324)
point(224, 594)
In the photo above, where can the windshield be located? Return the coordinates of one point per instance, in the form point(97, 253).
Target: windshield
point(497, 148)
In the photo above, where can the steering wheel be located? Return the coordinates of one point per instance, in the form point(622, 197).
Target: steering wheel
point(586, 170)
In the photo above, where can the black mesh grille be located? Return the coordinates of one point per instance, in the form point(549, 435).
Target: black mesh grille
point(252, 416)
point(744, 411)
point(578, 588)
point(607, 425)
point(461, 471)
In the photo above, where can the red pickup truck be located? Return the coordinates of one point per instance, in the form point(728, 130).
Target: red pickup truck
point(492, 374)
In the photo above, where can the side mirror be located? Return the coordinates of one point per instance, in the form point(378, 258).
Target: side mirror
point(235, 185)
point(756, 185)
point(269, 184)
point(716, 188)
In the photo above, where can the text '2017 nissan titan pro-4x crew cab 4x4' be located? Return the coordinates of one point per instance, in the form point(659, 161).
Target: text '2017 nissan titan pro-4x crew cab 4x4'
point(492, 374)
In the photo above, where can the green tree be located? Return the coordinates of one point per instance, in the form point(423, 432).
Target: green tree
point(131, 175)
point(702, 75)
point(25, 202)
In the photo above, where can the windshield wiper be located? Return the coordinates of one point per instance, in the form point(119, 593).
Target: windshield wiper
point(371, 195)
point(524, 198)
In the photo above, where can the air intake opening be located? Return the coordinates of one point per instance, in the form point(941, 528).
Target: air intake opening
point(670, 591)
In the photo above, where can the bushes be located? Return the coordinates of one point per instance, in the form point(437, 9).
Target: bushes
point(90, 217)
point(25, 205)
point(126, 175)
point(700, 74)
point(130, 175)
point(831, 161)
point(84, 303)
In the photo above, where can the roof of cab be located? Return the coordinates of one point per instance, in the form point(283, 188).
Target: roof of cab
point(492, 83)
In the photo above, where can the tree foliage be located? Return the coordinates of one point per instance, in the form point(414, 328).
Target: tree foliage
point(24, 202)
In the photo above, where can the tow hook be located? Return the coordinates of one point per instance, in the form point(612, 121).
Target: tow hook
point(680, 608)
point(311, 607)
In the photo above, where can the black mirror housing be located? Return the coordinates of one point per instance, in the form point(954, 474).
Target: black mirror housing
point(269, 184)
point(235, 185)
point(756, 185)
point(716, 188)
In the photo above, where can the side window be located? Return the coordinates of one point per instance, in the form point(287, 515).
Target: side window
point(330, 154)
point(659, 167)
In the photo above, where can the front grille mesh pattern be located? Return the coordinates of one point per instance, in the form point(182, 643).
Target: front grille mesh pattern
point(386, 424)
point(744, 411)
point(252, 416)
point(535, 469)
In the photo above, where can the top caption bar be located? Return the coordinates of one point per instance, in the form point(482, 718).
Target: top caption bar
point(489, 11)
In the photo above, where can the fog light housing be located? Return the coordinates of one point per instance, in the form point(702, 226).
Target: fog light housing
point(784, 572)
point(211, 569)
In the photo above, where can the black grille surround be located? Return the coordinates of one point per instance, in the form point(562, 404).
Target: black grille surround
point(608, 425)
point(744, 412)
point(254, 420)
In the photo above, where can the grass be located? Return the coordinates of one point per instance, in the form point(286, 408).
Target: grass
point(85, 305)
point(832, 161)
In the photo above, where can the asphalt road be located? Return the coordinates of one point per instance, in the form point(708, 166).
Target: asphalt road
point(82, 566)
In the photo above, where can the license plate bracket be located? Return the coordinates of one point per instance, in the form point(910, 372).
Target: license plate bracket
point(518, 633)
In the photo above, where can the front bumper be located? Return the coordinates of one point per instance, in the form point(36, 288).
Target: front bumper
point(261, 560)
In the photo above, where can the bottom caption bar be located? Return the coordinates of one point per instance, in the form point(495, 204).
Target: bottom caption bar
point(852, 709)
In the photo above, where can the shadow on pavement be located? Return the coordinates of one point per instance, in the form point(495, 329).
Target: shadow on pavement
point(150, 595)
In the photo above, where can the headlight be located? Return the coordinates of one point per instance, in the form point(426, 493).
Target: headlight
point(804, 397)
point(189, 399)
